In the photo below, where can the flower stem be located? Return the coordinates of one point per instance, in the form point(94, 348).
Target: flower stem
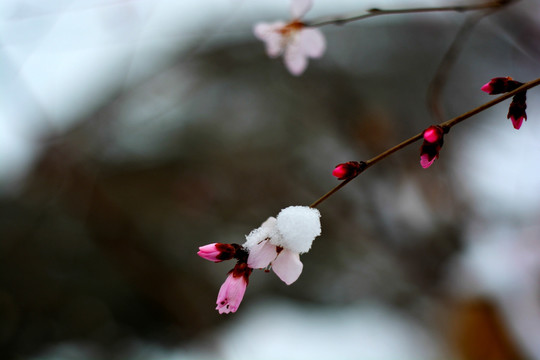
point(341, 20)
point(445, 125)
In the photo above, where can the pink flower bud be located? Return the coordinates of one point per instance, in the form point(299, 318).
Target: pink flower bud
point(516, 111)
point(501, 85)
point(433, 134)
point(488, 88)
point(433, 142)
point(348, 170)
point(218, 252)
point(233, 289)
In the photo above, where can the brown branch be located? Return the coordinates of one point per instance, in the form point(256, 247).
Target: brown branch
point(341, 20)
point(447, 125)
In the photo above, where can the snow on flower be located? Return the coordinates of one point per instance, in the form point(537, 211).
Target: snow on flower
point(279, 241)
point(294, 40)
point(433, 142)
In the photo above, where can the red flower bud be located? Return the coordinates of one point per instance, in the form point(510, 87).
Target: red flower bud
point(433, 142)
point(501, 85)
point(348, 170)
point(433, 134)
point(516, 112)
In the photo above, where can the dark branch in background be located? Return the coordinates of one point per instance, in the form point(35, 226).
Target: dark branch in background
point(344, 19)
point(440, 78)
point(445, 125)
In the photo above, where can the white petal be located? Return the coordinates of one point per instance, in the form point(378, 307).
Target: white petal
point(295, 60)
point(268, 229)
point(261, 255)
point(300, 7)
point(312, 42)
point(273, 39)
point(287, 266)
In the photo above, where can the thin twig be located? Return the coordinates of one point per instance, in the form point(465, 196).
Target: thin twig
point(440, 78)
point(447, 125)
point(341, 20)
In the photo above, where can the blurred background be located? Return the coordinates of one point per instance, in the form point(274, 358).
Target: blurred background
point(134, 131)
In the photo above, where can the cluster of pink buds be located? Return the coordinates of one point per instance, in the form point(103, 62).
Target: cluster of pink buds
point(233, 289)
point(433, 142)
point(501, 85)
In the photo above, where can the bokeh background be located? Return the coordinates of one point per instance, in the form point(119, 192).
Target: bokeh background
point(134, 131)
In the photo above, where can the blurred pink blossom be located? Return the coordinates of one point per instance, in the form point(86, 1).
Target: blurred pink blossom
point(294, 40)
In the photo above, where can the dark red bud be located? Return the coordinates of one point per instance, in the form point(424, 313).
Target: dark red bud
point(501, 85)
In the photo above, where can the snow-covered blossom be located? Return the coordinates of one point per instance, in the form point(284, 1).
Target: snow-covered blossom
point(433, 142)
point(233, 289)
point(348, 170)
point(278, 242)
point(294, 40)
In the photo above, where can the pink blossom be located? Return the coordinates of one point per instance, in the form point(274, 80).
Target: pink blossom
point(233, 289)
point(278, 243)
point(287, 266)
point(294, 40)
point(285, 263)
point(218, 252)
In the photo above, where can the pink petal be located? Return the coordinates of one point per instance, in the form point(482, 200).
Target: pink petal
point(261, 255)
point(231, 294)
point(300, 7)
point(432, 134)
point(312, 42)
point(425, 162)
point(487, 88)
point(209, 252)
point(295, 60)
point(287, 266)
point(517, 122)
point(340, 171)
point(270, 35)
